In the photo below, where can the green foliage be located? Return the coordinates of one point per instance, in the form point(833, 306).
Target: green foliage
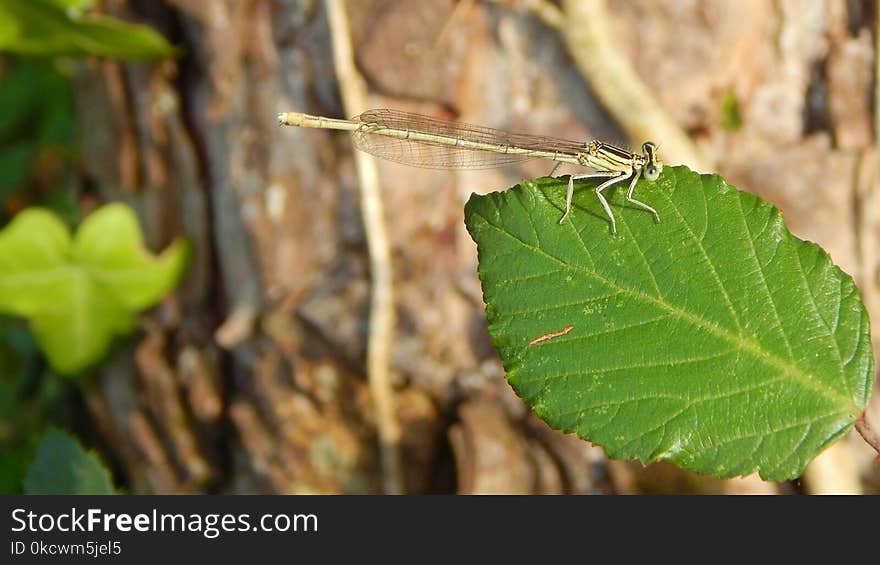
point(75, 6)
point(15, 457)
point(715, 339)
point(17, 413)
point(36, 126)
point(54, 28)
point(80, 292)
point(30, 398)
point(731, 116)
point(37, 150)
point(62, 466)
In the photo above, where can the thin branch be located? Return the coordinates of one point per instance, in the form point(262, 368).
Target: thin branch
point(876, 81)
point(587, 32)
point(381, 326)
point(868, 241)
point(586, 29)
point(870, 433)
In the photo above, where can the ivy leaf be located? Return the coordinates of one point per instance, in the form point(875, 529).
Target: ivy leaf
point(715, 340)
point(62, 466)
point(76, 6)
point(79, 293)
point(54, 28)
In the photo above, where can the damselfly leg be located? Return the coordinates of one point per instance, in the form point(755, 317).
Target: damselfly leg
point(616, 176)
point(639, 203)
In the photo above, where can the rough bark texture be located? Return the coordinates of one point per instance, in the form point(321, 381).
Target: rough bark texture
point(251, 377)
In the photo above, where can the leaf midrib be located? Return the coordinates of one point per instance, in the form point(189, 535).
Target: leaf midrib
point(736, 340)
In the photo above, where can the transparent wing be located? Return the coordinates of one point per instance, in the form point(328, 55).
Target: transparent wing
point(373, 137)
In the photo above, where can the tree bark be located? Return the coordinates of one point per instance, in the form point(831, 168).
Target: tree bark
point(251, 378)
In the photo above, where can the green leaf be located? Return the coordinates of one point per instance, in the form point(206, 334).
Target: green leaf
point(36, 127)
point(18, 92)
point(16, 160)
point(715, 339)
point(14, 352)
point(76, 6)
point(62, 466)
point(31, 397)
point(53, 28)
point(79, 293)
point(15, 459)
point(39, 102)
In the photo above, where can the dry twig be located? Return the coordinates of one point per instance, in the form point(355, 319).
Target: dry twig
point(585, 27)
point(587, 33)
point(381, 328)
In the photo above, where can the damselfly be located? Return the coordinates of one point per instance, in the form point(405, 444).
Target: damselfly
point(422, 141)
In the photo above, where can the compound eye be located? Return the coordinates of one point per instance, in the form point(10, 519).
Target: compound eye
point(652, 172)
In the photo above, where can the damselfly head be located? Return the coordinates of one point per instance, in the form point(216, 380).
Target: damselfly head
point(653, 166)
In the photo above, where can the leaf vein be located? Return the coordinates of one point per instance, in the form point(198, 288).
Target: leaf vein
point(763, 278)
point(735, 339)
point(818, 315)
point(629, 367)
point(710, 264)
point(645, 261)
point(544, 309)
